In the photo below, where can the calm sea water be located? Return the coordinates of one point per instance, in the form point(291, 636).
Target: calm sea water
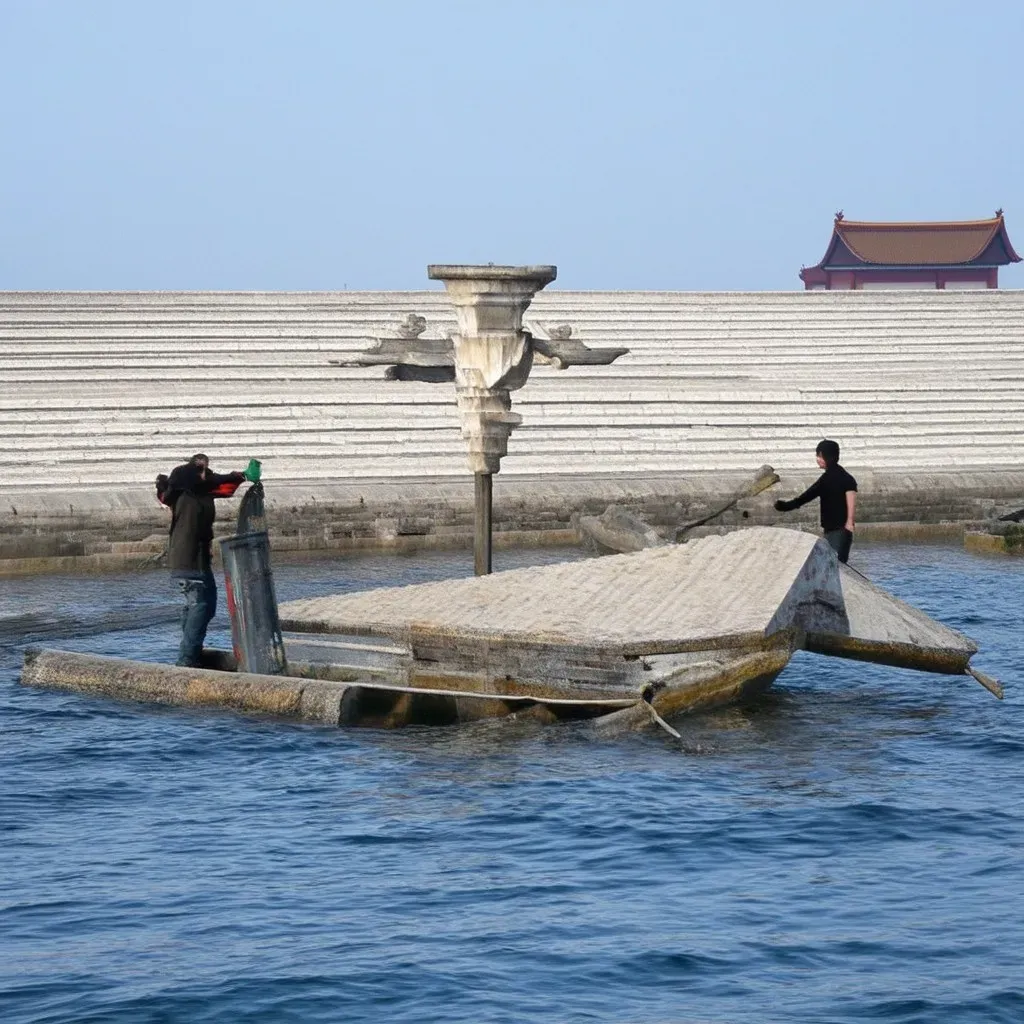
point(848, 848)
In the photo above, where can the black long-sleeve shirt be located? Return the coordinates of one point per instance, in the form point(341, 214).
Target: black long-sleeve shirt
point(831, 488)
point(191, 498)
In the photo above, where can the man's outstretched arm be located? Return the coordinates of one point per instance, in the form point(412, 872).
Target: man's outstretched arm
point(810, 494)
point(851, 506)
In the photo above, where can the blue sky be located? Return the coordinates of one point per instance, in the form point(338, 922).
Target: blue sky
point(316, 145)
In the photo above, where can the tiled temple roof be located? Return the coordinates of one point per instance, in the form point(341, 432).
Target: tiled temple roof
point(919, 243)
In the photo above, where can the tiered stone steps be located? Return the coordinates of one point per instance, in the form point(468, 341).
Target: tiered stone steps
point(102, 390)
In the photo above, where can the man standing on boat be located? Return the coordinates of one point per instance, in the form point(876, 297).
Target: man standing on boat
point(837, 491)
point(189, 492)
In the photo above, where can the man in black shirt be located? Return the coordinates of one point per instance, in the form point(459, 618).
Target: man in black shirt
point(837, 491)
point(189, 492)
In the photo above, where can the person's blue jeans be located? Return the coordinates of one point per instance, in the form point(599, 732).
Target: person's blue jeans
point(200, 593)
point(840, 541)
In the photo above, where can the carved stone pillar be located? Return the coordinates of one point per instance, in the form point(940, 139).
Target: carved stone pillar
point(493, 354)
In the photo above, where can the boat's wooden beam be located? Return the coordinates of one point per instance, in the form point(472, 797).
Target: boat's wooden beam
point(945, 660)
point(700, 687)
point(354, 700)
point(284, 696)
point(992, 685)
point(742, 677)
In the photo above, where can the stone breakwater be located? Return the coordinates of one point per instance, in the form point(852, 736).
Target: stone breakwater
point(86, 531)
point(101, 391)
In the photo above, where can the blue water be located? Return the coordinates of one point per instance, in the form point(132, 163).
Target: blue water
point(848, 848)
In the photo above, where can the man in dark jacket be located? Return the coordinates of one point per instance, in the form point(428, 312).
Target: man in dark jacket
point(837, 491)
point(190, 491)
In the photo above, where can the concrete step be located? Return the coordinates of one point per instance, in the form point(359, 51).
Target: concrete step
point(449, 443)
point(542, 438)
point(100, 388)
point(56, 476)
point(84, 424)
point(863, 358)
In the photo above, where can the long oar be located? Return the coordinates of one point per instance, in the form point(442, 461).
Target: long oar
point(766, 477)
point(992, 685)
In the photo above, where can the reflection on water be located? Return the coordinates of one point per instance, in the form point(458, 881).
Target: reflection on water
point(845, 848)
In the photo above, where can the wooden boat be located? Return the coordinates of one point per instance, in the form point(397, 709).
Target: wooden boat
point(625, 640)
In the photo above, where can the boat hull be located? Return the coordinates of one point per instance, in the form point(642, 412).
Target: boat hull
point(345, 697)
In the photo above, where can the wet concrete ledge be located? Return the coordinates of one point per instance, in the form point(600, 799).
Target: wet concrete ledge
point(1005, 542)
point(108, 530)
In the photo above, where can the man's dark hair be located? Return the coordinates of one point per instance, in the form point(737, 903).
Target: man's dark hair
point(199, 457)
point(828, 450)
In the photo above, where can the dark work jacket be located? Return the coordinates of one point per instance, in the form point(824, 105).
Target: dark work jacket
point(192, 518)
point(831, 488)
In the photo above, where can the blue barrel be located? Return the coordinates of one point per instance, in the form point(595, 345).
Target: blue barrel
point(255, 628)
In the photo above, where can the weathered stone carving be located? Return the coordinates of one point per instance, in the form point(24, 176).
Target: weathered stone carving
point(409, 356)
point(493, 354)
point(412, 326)
point(557, 347)
point(489, 356)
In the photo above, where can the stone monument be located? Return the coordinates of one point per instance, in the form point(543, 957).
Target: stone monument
point(490, 356)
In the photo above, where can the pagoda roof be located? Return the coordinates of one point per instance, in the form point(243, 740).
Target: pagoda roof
point(946, 243)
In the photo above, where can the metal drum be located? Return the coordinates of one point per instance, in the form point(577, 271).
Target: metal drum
point(252, 604)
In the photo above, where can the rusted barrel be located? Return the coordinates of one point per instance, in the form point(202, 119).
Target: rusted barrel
point(252, 604)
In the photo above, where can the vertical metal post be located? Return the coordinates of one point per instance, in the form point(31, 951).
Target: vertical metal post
point(482, 523)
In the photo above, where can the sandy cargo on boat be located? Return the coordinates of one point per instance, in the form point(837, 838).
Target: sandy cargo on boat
point(684, 626)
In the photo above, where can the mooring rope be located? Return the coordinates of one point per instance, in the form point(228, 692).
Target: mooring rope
point(661, 721)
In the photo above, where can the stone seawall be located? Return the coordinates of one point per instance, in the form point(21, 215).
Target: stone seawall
point(100, 391)
point(69, 531)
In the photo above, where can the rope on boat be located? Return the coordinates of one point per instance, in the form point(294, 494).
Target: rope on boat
point(613, 702)
point(661, 721)
point(309, 640)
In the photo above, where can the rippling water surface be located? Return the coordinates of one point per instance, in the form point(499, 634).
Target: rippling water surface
point(848, 848)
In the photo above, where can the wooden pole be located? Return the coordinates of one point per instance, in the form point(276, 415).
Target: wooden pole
point(992, 685)
point(482, 524)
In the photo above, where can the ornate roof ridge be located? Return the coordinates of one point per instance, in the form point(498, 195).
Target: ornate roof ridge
point(956, 242)
point(926, 224)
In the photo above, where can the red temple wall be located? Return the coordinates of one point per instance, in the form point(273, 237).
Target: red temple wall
point(845, 280)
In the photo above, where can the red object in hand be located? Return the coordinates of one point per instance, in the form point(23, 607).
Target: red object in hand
point(225, 489)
